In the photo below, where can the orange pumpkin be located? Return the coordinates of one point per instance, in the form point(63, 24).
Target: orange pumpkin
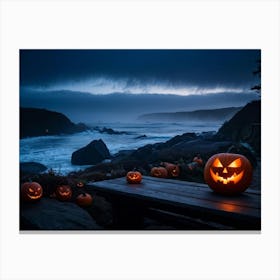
point(63, 193)
point(159, 172)
point(198, 160)
point(80, 184)
point(172, 169)
point(31, 191)
point(84, 199)
point(228, 173)
point(133, 177)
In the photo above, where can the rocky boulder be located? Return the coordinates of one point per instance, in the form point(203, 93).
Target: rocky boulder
point(244, 126)
point(32, 168)
point(50, 214)
point(182, 146)
point(109, 130)
point(95, 152)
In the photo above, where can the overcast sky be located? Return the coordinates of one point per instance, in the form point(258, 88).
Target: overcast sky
point(181, 72)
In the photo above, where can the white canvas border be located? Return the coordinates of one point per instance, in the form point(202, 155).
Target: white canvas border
point(139, 24)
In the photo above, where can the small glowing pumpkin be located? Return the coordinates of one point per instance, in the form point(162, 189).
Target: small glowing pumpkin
point(228, 173)
point(159, 172)
point(63, 193)
point(172, 169)
point(80, 184)
point(133, 177)
point(31, 191)
point(84, 199)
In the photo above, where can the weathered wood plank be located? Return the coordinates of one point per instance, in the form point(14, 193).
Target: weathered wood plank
point(177, 201)
point(172, 187)
point(149, 193)
point(179, 182)
point(183, 222)
point(237, 220)
point(194, 184)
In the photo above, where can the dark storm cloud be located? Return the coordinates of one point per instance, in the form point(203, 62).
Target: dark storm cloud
point(203, 68)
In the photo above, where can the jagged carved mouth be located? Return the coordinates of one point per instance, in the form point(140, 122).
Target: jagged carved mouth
point(34, 196)
point(235, 178)
point(64, 193)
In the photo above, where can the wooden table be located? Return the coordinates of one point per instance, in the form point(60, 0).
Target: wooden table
point(195, 204)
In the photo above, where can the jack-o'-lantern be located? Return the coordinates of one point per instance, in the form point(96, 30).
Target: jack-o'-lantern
point(172, 169)
point(133, 177)
point(84, 199)
point(63, 192)
point(80, 184)
point(228, 173)
point(159, 172)
point(31, 191)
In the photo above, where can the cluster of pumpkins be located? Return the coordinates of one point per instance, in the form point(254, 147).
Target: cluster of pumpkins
point(225, 173)
point(171, 170)
point(33, 191)
point(166, 171)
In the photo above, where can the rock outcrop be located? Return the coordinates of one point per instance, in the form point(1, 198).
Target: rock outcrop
point(244, 126)
point(50, 214)
point(109, 131)
point(235, 136)
point(182, 146)
point(221, 114)
point(32, 168)
point(95, 152)
point(41, 122)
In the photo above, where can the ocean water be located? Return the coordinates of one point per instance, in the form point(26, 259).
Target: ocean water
point(55, 151)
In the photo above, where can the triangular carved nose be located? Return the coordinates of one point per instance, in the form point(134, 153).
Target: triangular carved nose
point(225, 170)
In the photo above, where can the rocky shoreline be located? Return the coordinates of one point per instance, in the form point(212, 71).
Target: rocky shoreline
point(180, 150)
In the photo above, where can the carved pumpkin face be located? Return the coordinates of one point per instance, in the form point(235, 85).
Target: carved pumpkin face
point(133, 177)
point(84, 199)
point(228, 173)
point(172, 169)
point(80, 184)
point(31, 191)
point(63, 192)
point(159, 172)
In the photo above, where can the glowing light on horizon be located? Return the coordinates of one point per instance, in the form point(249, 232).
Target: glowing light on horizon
point(104, 85)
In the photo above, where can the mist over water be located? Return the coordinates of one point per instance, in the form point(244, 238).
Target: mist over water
point(123, 107)
point(55, 151)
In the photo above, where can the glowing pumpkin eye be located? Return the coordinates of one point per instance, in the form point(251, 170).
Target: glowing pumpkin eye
point(217, 163)
point(236, 163)
point(30, 190)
